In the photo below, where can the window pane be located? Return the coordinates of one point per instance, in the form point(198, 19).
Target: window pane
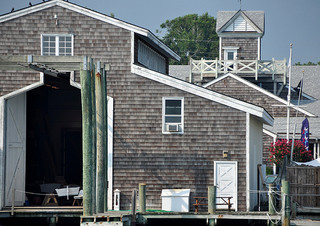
point(68, 50)
point(45, 38)
point(68, 39)
point(173, 107)
point(68, 44)
point(173, 119)
point(52, 38)
point(230, 55)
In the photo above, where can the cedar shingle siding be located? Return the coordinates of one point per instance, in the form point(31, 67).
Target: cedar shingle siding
point(248, 47)
point(141, 152)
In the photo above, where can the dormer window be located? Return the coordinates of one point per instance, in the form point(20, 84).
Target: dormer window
point(56, 45)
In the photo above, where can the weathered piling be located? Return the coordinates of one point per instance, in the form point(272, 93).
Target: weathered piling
point(85, 80)
point(105, 140)
point(142, 197)
point(272, 204)
point(285, 199)
point(133, 207)
point(211, 203)
point(212, 199)
point(100, 128)
point(94, 135)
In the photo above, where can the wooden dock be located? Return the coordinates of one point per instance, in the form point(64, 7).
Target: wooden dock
point(125, 217)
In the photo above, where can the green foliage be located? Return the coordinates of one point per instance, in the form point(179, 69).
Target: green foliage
point(192, 36)
point(307, 64)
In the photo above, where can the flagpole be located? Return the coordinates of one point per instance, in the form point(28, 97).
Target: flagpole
point(295, 124)
point(289, 95)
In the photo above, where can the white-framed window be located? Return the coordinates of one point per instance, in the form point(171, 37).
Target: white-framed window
point(56, 45)
point(172, 115)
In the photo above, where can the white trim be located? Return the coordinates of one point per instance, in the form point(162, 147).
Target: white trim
point(57, 41)
point(164, 130)
point(72, 81)
point(132, 47)
point(202, 92)
point(231, 47)
point(248, 161)
point(220, 47)
point(271, 134)
point(259, 48)
point(236, 178)
point(246, 82)
point(92, 14)
point(110, 151)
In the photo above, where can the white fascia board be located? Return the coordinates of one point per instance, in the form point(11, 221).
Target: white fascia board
point(271, 134)
point(233, 18)
point(230, 34)
point(202, 92)
point(246, 82)
point(92, 14)
point(26, 11)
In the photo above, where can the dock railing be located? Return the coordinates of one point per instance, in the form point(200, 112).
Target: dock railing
point(214, 68)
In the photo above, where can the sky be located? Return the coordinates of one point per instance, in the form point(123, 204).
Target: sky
point(286, 21)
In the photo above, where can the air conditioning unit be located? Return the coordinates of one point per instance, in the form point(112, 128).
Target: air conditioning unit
point(173, 127)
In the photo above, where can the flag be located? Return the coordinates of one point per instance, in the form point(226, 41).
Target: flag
point(299, 87)
point(305, 133)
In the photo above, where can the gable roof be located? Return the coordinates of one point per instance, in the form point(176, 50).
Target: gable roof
point(254, 18)
point(204, 93)
point(265, 92)
point(96, 15)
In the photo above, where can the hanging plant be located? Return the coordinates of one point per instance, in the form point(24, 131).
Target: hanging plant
point(280, 148)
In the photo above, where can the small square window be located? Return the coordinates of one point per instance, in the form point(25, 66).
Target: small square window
point(172, 114)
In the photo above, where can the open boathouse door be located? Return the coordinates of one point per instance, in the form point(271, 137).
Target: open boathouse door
point(42, 145)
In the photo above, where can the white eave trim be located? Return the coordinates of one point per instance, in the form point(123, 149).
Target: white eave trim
point(233, 18)
point(258, 89)
point(92, 14)
point(202, 92)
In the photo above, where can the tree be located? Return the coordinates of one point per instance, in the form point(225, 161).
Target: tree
point(192, 36)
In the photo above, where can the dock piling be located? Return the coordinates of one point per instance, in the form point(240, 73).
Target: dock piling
point(212, 199)
point(100, 130)
point(285, 201)
point(271, 204)
point(85, 79)
point(142, 197)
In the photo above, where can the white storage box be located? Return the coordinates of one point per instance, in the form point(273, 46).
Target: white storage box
point(176, 200)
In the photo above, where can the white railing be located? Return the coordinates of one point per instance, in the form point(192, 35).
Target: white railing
point(213, 68)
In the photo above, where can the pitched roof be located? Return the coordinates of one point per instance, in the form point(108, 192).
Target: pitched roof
point(96, 15)
point(226, 17)
point(263, 91)
point(204, 93)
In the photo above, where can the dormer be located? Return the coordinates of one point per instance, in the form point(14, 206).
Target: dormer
point(240, 34)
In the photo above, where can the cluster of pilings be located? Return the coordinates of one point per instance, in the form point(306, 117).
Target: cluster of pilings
point(94, 137)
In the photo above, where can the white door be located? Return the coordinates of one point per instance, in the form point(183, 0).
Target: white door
point(15, 149)
point(225, 179)
point(230, 55)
